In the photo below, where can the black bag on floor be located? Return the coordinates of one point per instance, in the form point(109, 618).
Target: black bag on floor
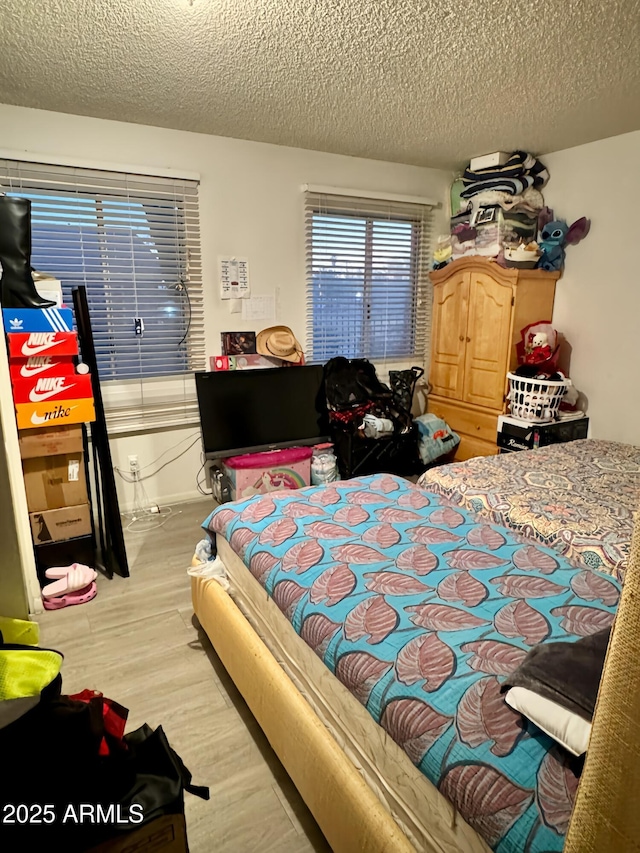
point(51, 758)
point(353, 383)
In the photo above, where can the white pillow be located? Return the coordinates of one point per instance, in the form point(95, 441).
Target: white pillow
point(570, 730)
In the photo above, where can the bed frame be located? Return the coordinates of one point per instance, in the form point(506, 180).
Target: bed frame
point(348, 812)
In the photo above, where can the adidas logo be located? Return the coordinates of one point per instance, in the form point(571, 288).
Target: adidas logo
point(16, 325)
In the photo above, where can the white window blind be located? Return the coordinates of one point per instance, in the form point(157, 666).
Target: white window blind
point(134, 241)
point(368, 289)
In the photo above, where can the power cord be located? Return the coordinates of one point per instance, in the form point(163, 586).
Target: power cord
point(181, 287)
point(129, 478)
point(199, 482)
point(145, 515)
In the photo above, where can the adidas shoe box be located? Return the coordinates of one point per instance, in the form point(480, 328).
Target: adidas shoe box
point(514, 434)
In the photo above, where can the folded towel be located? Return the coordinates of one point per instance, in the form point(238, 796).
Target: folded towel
point(566, 673)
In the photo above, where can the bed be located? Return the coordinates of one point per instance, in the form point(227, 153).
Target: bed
point(368, 625)
point(578, 498)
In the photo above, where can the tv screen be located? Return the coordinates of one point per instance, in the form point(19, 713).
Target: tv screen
point(242, 411)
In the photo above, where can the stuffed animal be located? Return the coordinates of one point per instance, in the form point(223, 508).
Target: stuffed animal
point(554, 236)
point(538, 349)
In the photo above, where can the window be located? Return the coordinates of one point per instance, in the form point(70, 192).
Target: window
point(133, 241)
point(367, 278)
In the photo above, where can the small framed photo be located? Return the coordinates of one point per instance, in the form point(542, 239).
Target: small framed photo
point(484, 215)
point(238, 343)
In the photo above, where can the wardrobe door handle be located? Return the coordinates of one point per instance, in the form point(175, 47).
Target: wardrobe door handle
point(468, 340)
point(461, 337)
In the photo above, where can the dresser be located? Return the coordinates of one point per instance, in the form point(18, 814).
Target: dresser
point(479, 309)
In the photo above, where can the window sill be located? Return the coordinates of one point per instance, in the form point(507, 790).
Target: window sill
point(153, 404)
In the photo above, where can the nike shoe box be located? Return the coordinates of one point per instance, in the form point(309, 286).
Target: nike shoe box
point(41, 365)
point(41, 389)
point(28, 345)
point(53, 482)
point(55, 413)
point(50, 441)
point(56, 525)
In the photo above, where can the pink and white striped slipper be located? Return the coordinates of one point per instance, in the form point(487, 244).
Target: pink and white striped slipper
point(56, 572)
point(76, 577)
point(79, 596)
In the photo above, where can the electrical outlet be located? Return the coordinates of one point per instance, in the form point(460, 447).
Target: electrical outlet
point(133, 463)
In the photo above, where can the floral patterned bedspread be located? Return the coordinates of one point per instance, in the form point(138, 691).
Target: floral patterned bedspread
point(578, 498)
point(420, 610)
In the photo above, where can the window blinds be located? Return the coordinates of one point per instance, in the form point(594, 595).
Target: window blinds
point(368, 289)
point(134, 242)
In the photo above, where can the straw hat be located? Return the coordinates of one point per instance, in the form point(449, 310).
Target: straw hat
point(279, 342)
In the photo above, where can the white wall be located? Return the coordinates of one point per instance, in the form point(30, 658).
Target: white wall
point(598, 297)
point(250, 204)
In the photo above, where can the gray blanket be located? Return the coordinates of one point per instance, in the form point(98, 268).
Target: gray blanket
point(566, 673)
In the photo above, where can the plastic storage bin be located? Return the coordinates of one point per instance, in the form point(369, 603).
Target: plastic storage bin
point(275, 470)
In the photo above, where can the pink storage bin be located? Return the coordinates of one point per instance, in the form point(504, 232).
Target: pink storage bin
point(259, 473)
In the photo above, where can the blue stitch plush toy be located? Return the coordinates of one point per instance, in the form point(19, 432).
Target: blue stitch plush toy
point(554, 235)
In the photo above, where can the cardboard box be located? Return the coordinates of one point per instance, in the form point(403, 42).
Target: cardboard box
point(54, 525)
point(37, 319)
point(55, 413)
point(42, 365)
point(52, 482)
point(488, 161)
point(42, 343)
point(244, 362)
point(40, 389)
point(50, 441)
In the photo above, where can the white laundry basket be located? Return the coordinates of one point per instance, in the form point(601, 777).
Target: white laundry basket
point(535, 400)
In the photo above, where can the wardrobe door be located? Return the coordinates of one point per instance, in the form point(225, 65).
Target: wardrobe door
point(488, 341)
point(448, 335)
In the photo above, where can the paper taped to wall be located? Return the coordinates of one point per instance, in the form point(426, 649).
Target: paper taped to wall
point(259, 308)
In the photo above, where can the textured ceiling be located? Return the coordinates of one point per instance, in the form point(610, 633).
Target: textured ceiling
point(430, 83)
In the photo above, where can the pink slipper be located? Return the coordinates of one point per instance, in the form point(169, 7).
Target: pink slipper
point(77, 577)
point(80, 596)
point(57, 572)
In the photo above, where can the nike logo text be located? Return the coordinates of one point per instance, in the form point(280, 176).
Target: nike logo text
point(48, 387)
point(58, 412)
point(39, 341)
point(36, 365)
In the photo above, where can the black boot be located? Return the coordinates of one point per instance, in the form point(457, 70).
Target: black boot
point(18, 289)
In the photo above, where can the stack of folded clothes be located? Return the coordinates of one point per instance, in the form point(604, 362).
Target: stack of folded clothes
point(502, 207)
point(519, 173)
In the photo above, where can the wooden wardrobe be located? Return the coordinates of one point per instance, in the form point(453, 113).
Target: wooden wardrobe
point(479, 309)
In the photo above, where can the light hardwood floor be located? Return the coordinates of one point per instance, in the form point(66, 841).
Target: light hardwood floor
point(137, 643)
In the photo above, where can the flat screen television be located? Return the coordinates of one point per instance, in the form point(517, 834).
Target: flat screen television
point(246, 411)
